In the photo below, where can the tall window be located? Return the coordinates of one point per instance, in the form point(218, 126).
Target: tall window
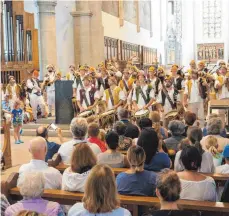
point(212, 19)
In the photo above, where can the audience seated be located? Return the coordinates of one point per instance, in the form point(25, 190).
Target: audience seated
point(189, 118)
point(136, 180)
point(29, 213)
point(155, 118)
point(168, 191)
point(223, 132)
point(111, 156)
point(31, 187)
point(176, 128)
point(212, 147)
point(132, 130)
point(124, 142)
point(100, 196)
point(214, 128)
point(79, 129)
point(207, 165)
point(38, 150)
point(52, 147)
point(155, 160)
point(145, 123)
point(93, 133)
point(4, 204)
point(224, 169)
point(82, 161)
point(225, 194)
point(195, 186)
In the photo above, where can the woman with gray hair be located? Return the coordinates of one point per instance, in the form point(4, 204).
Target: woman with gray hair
point(31, 187)
point(195, 134)
point(78, 128)
point(176, 128)
point(214, 128)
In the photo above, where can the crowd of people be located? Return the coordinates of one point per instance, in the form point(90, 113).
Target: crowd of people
point(167, 163)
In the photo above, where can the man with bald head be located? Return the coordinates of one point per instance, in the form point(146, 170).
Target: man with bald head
point(52, 147)
point(38, 150)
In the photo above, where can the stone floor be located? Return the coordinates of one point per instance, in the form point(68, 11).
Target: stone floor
point(20, 154)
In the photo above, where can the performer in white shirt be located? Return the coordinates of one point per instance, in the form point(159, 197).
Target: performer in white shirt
point(50, 78)
point(88, 96)
point(71, 75)
point(78, 84)
point(113, 96)
point(123, 84)
point(194, 96)
point(143, 95)
point(154, 81)
point(102, 81)
point(167, 96)
point(35, 94)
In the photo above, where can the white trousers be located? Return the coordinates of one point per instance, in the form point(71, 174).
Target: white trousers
point(8, 117)
point(198, 109)
point(34, 102)
point(51, 100)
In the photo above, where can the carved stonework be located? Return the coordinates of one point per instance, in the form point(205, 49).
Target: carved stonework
point(46, 6)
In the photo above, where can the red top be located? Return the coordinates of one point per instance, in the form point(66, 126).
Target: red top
point(99, 142)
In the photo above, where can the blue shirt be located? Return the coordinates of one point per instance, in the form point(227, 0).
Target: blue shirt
point(6, 106)
point(159, 161)
point(223, 133)
point(140, 183)
point(52, 149)
point(17, 115)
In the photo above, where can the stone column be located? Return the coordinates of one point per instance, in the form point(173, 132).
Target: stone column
point(88, 32)
point(47, 33)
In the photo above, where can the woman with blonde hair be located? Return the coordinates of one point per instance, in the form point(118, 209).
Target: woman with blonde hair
point(136, 180)
point(82, 161)
point(156, 120)
point(100, 196)
point(212, 147)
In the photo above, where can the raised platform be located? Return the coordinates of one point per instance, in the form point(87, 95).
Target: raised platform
point(30, 128)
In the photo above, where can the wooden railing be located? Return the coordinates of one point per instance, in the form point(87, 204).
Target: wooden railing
point(19, 41)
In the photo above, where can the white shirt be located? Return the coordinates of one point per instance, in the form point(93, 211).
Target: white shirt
point(101, 89)
point(204, 190)
point(141, 103)
point(87, 91)
point(32, 85)
point(78, 85)
point(53, 177)
point(167, 106)
point(79, 210)
point(153, 84)
point(194, 94)
point(122, 97)
point(66, 149)
point(223, 169)
point(207, 165)
point(51, 76)
point(74, 181)
point(224, 91)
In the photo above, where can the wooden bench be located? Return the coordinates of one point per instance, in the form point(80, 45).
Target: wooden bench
point(215, 176)
point(136, 204)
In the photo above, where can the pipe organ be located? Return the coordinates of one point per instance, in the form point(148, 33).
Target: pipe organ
point(19, 39)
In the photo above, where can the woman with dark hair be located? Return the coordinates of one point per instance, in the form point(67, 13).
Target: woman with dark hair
point(136, 180)
point(169, 196)
point(195, 186)
point(207, 165)
point(155, 161)
point(144, 123)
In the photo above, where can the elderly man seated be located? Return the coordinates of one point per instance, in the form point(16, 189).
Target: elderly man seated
point(32, 200)
point(78, 128)
point(38, 150)
point(214, 128)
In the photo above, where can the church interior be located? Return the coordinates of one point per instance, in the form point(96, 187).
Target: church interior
point(114, 107)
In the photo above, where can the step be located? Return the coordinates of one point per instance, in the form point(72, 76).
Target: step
point(46, 120)
point(32, 132)
point(35, 126)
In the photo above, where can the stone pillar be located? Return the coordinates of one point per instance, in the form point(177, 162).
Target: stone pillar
point(47, 33)
point(88, 32)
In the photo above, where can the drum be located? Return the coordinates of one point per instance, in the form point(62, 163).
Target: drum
point(86, 113)
point(107, 118)
point(141, 114)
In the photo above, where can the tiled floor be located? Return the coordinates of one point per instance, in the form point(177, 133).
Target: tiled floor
point(20, 154)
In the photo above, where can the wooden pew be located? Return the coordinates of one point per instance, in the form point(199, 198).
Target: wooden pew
point(134, 203)
point(215, 176)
